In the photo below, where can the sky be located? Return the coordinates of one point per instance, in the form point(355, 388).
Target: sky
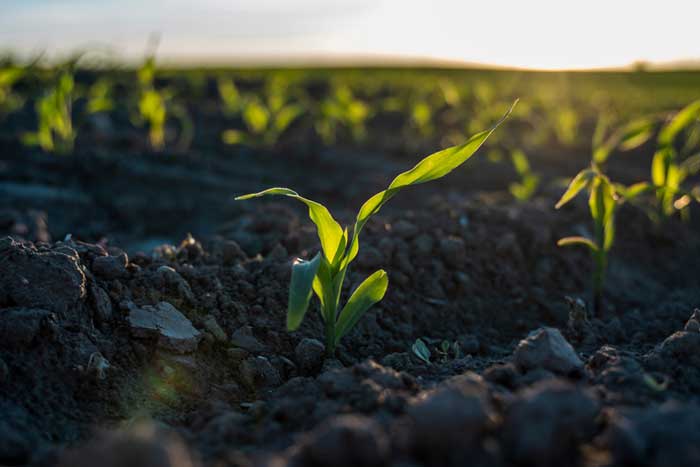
point(540, 34)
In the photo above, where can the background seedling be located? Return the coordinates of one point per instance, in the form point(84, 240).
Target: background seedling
point(325, 273)
point(55, 132)
point(529, 181)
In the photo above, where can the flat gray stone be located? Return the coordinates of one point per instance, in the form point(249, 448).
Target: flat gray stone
point(173, 330)
point(547, 348)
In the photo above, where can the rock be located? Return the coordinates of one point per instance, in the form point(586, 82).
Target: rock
point(101, 304)
point(399, 361)
point(547, 348)
point(46, 278)
point(547, 422)
point(404, 229)
point(172, 329)
point(447, 422)
point(347, 441)
point(453, 251)
point(423, 244)
point(668, 435)
point(693, 323)
point(309, 355)
point(177, 284)
point(142, 446)
point(211, 325)
point(20, 326)
point(111, 267)
point(244, 338)
point(258, 372)
point(680, 346)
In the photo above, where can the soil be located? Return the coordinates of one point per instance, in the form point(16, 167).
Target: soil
point(98, 244)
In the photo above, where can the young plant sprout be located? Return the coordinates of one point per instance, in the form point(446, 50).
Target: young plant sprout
point(325, 273)
point(671, 166)
point(602, 202)
point(526, 187)
point(55, 132)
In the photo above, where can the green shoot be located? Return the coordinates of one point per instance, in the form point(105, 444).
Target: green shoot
point(421, 351)
point(602, 202)
point(325, 273)
point(670, 167)
point(10, 101)
point(151, 105)
point(55, 132)
point(341, 110)
point(265, 119)
point(526, 187)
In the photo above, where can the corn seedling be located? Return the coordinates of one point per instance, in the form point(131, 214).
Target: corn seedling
point(529, 181)
point(265, 119)
point(55, 132)
point(670, 166)
point(602, 202)
point(341, 110)
point(152, 110)
point(9, 100)
point(325, 273)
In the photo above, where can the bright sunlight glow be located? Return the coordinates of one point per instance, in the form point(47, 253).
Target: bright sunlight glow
point(543, 34)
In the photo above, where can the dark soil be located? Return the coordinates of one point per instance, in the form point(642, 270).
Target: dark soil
point(97, 242)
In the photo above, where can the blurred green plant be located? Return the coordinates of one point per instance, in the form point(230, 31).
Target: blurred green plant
point(421, 351)
point(10, 100)
point(99, 96)
point(325, 273)
point(602, 203)
point(526, 187)
point(265, 119)
point(341, 110)
point(55, 131)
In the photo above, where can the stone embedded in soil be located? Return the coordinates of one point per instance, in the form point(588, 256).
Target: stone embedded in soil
point(101, 304)
point(547, 348)
point(173, 280)
point(47, 278)
point(309, 355)
point(668, 435)
point(111, 267)
point(244, 338)
point(172, 329)
point(546, 422)
point(211, 325)
point(258, 372)
point(346, 441)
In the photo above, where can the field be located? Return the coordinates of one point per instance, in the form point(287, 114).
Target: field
point(143, 311)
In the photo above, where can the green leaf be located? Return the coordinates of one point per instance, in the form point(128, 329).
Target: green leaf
point(520, 162)
point(635, 133)
point(300, 288)
point(636, 189)
point(566, 241)
point(579, 182)
point(368, 293)
point(432, 167)
point(329, 231)
point(659, 166)
point(679, 122)
point(421, 351)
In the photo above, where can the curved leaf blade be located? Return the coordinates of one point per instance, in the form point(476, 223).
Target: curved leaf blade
point(368, 293)
point(432, 167)
point(680, 121)
point(579, 182)
point(329, 231)
point(567, 241)
point(300, 288)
